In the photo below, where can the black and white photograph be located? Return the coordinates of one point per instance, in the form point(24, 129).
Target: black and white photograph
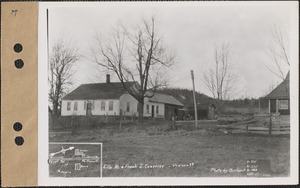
point(171, 89)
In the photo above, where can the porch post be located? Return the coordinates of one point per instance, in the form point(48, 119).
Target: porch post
point(276, 106)
point(269, 106)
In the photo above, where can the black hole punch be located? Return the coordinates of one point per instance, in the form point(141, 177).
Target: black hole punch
point(19, 63)
point(19, 140)
point(17, 126)
point(18, 48)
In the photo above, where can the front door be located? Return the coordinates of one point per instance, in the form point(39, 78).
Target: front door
point(89, 109)
point(152, 111)
point(273, 106)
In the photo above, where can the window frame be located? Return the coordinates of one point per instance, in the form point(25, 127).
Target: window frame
point(69, 104)
point(93, 105)
point(110, 105)
point(75, 106)
point(102, 106)
point(283, 106)
point(128, 107)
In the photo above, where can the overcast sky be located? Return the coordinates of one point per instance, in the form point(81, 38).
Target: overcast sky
point(191, 30)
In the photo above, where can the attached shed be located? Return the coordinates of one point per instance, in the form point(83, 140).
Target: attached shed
point(205, 110)
point(279, 98)
point(171, 105)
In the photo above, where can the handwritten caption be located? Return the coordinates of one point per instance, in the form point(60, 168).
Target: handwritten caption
point(145, 166)
point(258, 168)
point(227, 170)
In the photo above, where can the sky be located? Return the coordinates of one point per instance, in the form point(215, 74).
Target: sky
point(190, 30)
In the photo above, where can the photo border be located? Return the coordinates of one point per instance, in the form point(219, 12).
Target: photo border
point(43, 114)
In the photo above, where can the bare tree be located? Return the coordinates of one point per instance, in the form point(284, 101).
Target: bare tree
point(220, 79)
point(61, 61)
point(279, 53)
point(135, 55)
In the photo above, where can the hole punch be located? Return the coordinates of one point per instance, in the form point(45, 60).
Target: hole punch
point(19, 63)
point(19, 140)
point(18, 126)
point(18, 47)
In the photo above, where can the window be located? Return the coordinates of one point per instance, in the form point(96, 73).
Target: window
point(75, 106)
point(283, 104)
point(156, 109)
point(68, 106)
point(102, 105)
point(128, 107)
point(84, 106)
point(147, 108)
point(111, 105)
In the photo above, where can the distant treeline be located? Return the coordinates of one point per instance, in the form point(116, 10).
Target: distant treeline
point(240, 103)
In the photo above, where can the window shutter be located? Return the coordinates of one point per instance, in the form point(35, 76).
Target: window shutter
point(84, 106)
point(93, 105)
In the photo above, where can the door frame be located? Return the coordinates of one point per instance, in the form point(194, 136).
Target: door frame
point(87, 108)
point(152, 111)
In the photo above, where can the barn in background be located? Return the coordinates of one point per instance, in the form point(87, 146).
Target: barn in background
point(205, 110)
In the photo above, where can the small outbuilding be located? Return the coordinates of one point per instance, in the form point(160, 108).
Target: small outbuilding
point(205, 110)
point(279, 98)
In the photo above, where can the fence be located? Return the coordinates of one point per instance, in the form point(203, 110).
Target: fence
point(202, 124)
point(261, 124)
point(244, 110)
point(58, 122)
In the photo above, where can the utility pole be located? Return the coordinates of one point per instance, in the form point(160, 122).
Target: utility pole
point(195, 103)
point(259, 104)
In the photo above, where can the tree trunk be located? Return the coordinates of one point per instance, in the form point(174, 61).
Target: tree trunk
point(140, 111)
point(55, 108)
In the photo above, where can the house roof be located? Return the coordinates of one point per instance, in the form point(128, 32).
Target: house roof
point(282, 91)
point(166, 99)
point(112, 90)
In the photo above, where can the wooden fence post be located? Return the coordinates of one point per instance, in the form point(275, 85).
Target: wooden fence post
point(270, 124)
point(120, 127)
point(174, 123)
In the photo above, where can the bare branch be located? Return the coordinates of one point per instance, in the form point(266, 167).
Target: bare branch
point(221, 80)
point(135, 55)
point(279, 53)
point(61, 69)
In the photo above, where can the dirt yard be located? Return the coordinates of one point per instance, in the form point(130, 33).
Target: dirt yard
point(157, 150)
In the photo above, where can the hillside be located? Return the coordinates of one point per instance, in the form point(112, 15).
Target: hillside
point(185, 96)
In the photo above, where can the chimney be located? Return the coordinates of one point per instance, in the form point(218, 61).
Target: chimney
point(107, 78)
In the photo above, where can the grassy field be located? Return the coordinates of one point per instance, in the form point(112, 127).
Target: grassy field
point(156, 150)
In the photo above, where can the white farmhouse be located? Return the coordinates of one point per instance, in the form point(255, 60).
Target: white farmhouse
point(110, 98)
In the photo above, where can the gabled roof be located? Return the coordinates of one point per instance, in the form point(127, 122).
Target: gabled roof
point(112, 90)
point(282, 91)
point(166, 99)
